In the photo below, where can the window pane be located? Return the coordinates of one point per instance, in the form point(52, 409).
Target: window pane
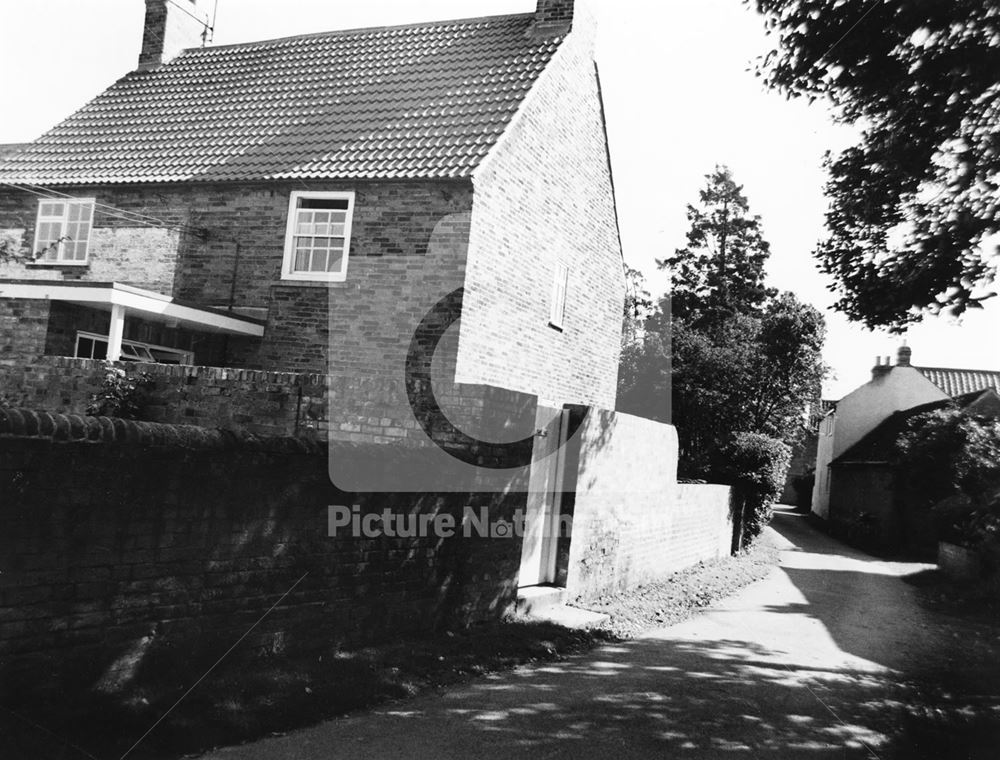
point(301, 256)
point(318, 263)
point(85, 348)
point(327, 203)
point(100, 349)
point(304, 221)
point(49, 208)
point(336, 261)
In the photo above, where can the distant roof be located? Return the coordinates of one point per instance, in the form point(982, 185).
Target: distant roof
point(877, 445)
point(416, 101)
point(955, 382)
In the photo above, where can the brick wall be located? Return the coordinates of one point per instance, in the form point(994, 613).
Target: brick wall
point(116, 533)
point(222, 244)
point(545, 196)
point(23, 329)
point(632, 522)
point(266, 403)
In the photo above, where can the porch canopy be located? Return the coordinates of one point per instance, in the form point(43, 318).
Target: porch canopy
point(121, 300)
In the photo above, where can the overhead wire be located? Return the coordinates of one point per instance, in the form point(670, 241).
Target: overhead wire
point(107, 210)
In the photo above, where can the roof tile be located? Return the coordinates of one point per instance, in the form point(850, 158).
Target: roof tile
point(425, 100)
point(956, 382)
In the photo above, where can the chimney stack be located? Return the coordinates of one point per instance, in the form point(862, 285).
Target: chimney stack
point(880, 369)
point(903, 356)
point(553, 18)
point(171, 26)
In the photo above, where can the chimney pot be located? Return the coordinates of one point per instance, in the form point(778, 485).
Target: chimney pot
point(170, 27)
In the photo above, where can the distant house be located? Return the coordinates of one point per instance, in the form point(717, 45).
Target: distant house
point(301, 204)
point(853, 478)
point(804, 453)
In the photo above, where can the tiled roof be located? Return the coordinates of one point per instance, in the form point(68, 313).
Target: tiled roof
point(877, 445)
point(956, 382)
point(8, 149)
point(417, 101)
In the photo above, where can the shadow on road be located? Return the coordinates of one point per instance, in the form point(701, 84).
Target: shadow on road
point(831, 656)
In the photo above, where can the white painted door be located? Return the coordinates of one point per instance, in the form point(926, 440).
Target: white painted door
point(541, 519)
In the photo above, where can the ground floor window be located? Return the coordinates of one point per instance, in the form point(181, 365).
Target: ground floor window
point(93, 346)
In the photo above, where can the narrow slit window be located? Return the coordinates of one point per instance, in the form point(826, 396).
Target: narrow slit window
point(557, 306)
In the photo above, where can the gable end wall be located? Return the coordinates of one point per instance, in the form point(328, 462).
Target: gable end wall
point(544, 195)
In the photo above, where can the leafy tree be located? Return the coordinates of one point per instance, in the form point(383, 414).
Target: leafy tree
point(914, 203)
point(749, 374)
point(723, 353)
point(721, 269)
point(949, 461)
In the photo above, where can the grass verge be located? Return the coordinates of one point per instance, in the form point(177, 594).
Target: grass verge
point(681, 595)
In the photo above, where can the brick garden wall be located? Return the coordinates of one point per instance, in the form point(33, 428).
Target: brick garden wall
point(266, 403)
point(632, 522)
point(119, 534)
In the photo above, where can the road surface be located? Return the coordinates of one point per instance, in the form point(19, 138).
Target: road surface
point(830, 656)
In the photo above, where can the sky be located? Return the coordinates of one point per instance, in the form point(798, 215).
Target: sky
point(679, 95)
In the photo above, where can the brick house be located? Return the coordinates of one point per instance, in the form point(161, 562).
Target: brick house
point(301, 204)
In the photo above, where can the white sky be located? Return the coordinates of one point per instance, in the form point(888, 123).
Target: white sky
point(678, 98)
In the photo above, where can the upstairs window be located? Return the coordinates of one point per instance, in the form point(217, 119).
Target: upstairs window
point(318, 236)
point(557, 306)
point(62, 234)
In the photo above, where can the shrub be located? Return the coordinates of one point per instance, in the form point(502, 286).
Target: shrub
point(755, 465)
point(121, 394)
point(948, 462)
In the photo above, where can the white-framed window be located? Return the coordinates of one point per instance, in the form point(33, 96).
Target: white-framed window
point(557, 305)
point(62, 232)
point(318, 237)
point(94, 346)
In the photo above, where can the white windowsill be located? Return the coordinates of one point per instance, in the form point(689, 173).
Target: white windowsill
point(317, 277)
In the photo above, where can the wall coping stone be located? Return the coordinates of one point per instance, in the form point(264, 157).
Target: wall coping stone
point(81, 429)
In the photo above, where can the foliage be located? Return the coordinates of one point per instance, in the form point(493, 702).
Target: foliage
point(10, 251)
point(721, 269)
point(121, 394)
point(723, 353)
point(644, 377)
point(756, 466)
point(914, 202)
point(638, 306)
point(949, 461)
point(748, 374)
